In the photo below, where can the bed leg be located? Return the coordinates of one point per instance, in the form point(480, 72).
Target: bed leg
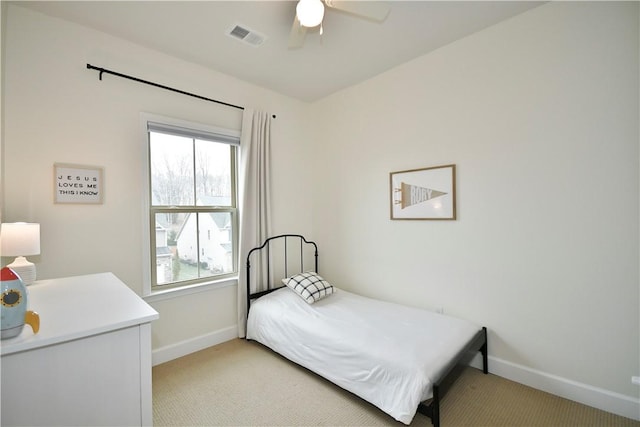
point(435, 407)
point(432, 410)
point(485, 352)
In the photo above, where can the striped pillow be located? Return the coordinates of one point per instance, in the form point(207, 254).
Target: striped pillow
point(310, 286)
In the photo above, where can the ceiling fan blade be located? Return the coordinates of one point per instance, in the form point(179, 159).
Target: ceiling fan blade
point(374, 10)
point(297, 34)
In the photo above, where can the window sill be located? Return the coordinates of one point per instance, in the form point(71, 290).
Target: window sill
point(188, 290)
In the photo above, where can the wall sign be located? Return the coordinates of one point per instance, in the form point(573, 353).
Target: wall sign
point(77, 184)
point(428, 193)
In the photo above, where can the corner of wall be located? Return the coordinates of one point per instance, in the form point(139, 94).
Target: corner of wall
point(3, 21)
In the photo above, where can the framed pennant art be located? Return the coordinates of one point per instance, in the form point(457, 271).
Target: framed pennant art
point(428, 193)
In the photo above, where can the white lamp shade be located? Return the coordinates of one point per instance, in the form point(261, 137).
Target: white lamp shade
point(19, 239)
point(310, 12)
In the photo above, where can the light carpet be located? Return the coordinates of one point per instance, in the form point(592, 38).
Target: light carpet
point(242, 383)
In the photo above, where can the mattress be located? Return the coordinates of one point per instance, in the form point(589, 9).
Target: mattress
point(387, 354)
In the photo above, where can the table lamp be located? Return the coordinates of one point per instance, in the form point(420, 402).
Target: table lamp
point(21, 239)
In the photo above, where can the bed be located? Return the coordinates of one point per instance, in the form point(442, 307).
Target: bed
point(398, 358)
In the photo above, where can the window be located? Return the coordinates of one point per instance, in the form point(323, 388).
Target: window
point(192, 204)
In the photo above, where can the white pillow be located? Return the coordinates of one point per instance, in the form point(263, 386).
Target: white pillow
point(310, 286)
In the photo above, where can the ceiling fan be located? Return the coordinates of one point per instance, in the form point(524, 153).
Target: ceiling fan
point(310, 13)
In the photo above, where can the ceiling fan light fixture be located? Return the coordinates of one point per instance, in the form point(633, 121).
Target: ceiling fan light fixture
point(310, 12)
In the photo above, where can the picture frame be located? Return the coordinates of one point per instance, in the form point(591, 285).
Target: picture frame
point(423, 194)
point(77, 184)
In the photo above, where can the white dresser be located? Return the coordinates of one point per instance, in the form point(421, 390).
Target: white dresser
point(90, 364)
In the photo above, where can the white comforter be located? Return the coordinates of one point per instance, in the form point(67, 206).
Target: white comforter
point(387, 354)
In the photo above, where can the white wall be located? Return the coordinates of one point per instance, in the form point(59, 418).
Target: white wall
point(58, 111)
point(3, 20)
point(540, 115)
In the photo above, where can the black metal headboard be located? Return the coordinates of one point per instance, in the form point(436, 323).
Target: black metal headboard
point(287, 260)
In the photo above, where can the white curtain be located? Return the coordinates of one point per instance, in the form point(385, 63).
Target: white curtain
point(255, 197)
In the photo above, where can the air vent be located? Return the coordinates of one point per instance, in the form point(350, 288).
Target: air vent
point(246, 35)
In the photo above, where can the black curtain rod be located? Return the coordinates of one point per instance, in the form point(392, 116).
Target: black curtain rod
point(104, 70)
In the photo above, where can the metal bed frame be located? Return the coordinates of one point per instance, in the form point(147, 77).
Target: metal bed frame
point(267, 244)
point(431, 407)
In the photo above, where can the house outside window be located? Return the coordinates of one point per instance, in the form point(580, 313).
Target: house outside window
point(192, 203)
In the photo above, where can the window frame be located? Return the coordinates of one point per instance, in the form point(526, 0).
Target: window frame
point(196, 130)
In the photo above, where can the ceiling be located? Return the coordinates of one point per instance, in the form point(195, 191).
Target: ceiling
point(350, 51)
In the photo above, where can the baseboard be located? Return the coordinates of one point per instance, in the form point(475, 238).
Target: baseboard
point(616, 403)
point(173, 351)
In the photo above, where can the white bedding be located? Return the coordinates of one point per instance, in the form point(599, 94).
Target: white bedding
point(387, 354)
